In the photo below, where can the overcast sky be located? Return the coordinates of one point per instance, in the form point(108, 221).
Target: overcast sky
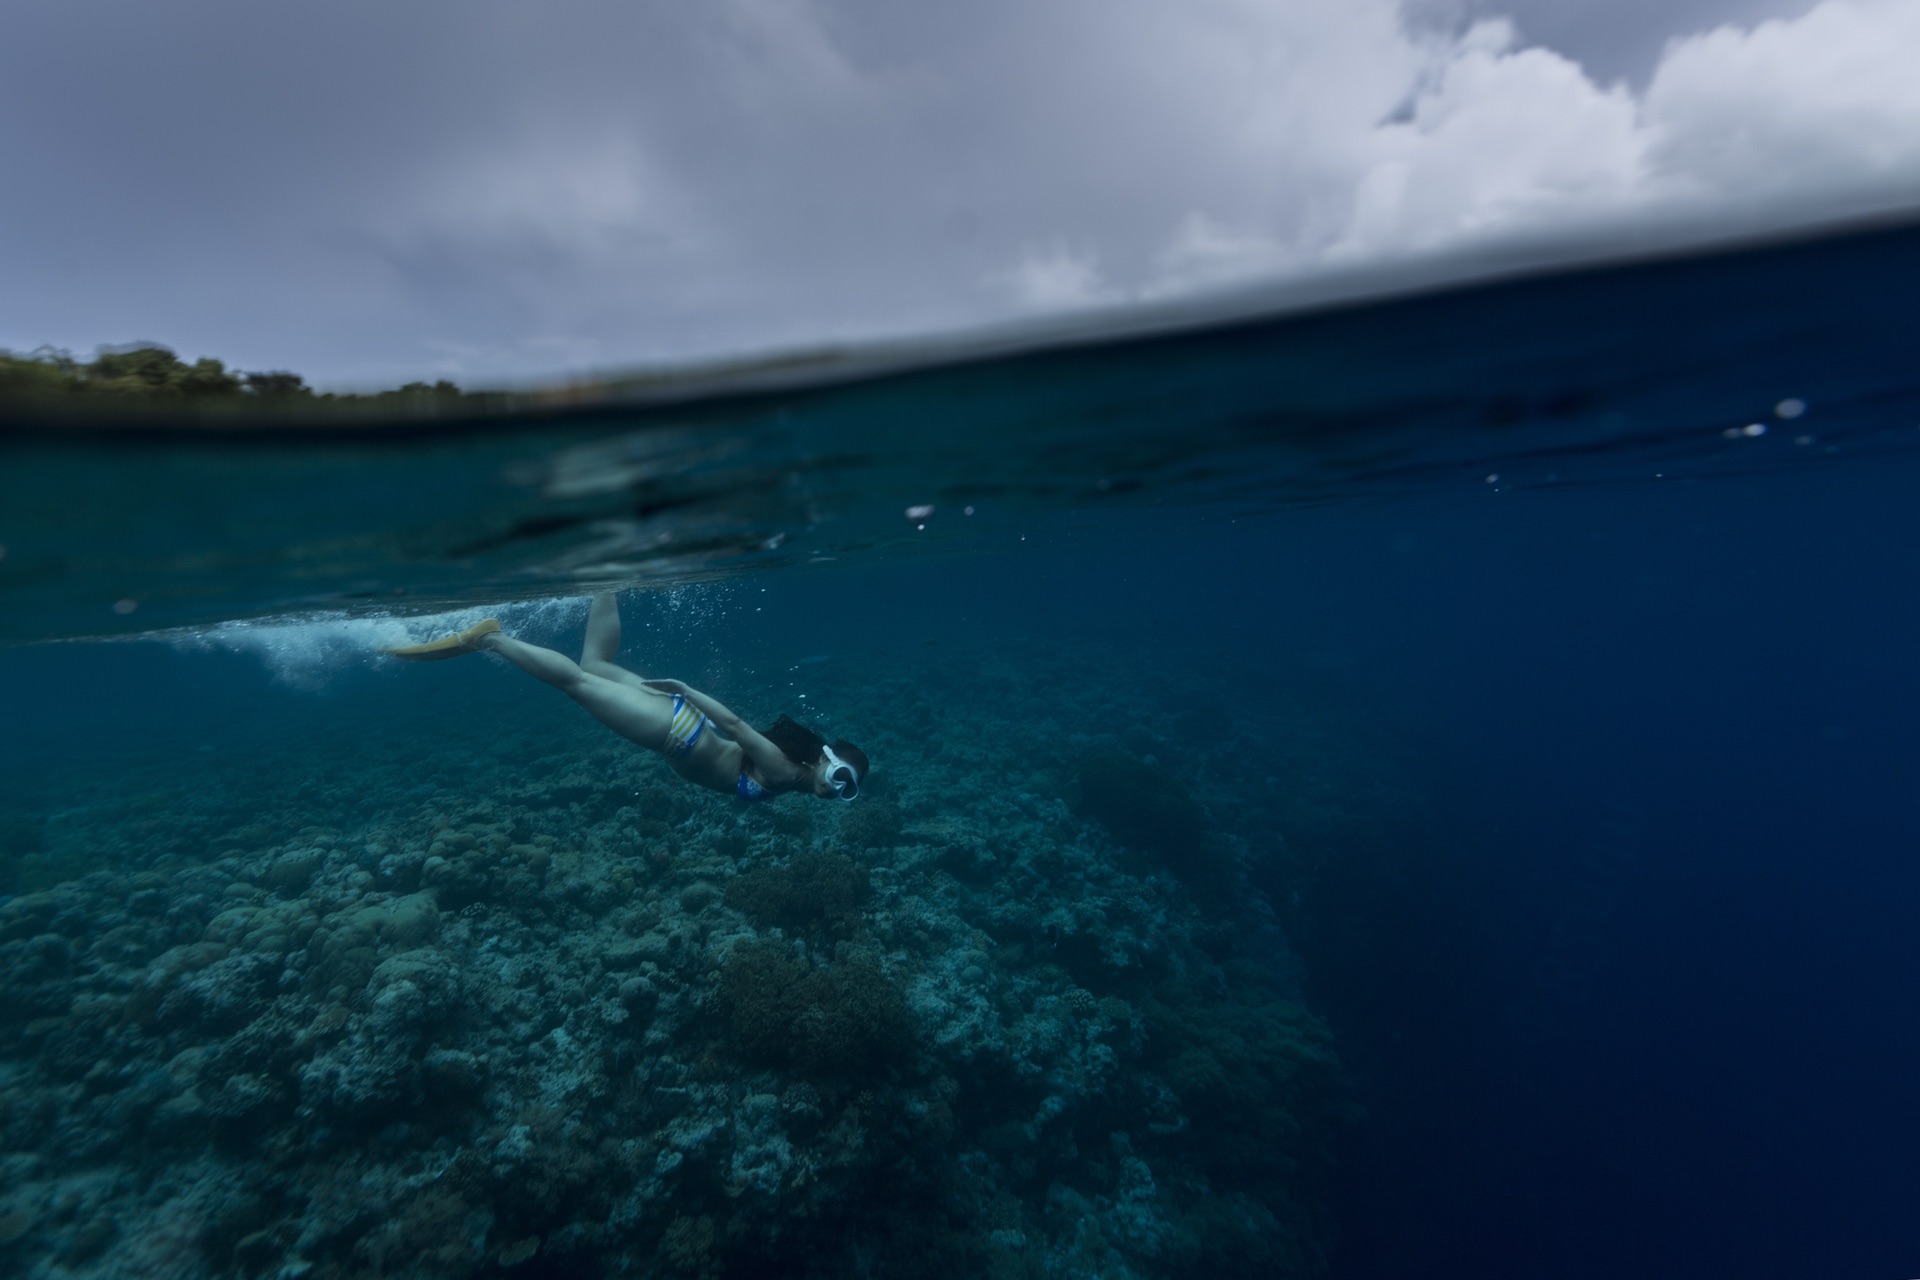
point(368, 191)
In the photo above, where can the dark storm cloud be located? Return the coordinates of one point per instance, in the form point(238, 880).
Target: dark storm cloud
point(488, 189)
point(360, 186)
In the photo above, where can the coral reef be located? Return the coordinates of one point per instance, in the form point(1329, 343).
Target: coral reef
point(550, 1012)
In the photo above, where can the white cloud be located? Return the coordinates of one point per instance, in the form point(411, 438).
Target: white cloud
point(1502, 139)
point(1829, 100)
point(1059, 279)
point(1205, 253)
point(1491, 140)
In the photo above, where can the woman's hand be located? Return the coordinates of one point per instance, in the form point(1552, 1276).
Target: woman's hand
point(668, 686)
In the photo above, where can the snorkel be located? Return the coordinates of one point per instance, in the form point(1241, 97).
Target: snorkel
point(841, 776)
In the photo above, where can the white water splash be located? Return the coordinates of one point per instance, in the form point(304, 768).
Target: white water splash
point(305, 651)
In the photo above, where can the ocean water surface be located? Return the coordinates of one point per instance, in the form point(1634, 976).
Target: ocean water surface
point(1416, 788)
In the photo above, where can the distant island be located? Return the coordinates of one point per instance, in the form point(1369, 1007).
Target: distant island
point(146, 385)
point(150, 376)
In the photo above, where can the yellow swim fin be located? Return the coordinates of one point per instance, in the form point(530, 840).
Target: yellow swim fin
point(446, 646)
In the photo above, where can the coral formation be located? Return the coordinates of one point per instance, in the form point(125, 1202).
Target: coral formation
point(843, 1021)
point(812, 892)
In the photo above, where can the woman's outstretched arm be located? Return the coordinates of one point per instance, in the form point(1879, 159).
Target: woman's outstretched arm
point(773, 763)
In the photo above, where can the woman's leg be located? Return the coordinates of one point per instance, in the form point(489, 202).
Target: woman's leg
point(636, 713)
point(603, 642)
point(603, 632)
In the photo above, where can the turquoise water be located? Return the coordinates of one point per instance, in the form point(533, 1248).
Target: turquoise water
point(1416, 789)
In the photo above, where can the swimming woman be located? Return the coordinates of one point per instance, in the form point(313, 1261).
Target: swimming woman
point(703, 741)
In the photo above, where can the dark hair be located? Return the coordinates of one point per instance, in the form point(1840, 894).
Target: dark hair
point(802, 745)
point(796, 742)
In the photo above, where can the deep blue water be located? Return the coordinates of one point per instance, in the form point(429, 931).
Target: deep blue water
point(1608, 884)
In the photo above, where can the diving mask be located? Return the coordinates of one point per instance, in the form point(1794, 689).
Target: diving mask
point(841, 776)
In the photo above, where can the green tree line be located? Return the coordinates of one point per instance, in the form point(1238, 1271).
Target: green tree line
point(152, 375)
